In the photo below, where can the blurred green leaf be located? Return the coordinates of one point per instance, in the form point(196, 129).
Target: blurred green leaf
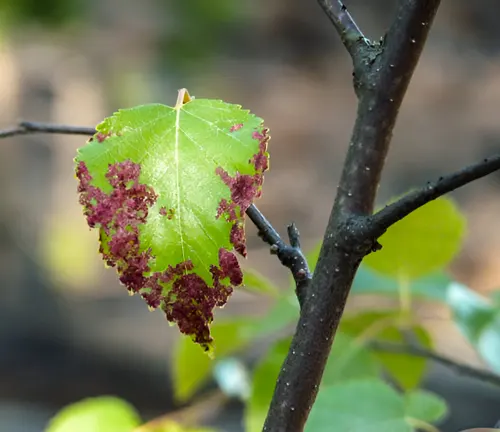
point(471, 312)
point(432, 286)
point(170, 426)
point(369, 406)
point(191, 367)
point(478, 319)
point(255, 282)
point(285, 312)
point(263, 383)
point(489, 343)
point(349, 360)
point(99, 414)
point(423, 405)
point(407, 370)
point(421, 243)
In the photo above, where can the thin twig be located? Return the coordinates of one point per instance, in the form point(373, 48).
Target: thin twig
point(25, 128)
point(381, 79)
point(396, 211)
point(349, 32)
point(290, 256)
point(459, 368)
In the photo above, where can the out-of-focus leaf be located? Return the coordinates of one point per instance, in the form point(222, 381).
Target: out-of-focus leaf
point(423, 405)
point(170, 426)
point(233, 378)
point(99, 414)
point(407, 370)
point(370, 406)
point(191, 367)
point(367, 281)
point(349, 360)
point(471, 312)
point(421, 243)
point(167, 188)
point(488, 343)
point(478, 319)
point(255, 282)
point(263, 383)
point(284, 313)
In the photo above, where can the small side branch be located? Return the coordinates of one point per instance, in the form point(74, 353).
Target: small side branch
point(290, 256)
point(403, 207)
point(459, 368)
point(349, 32)
point(26, 128)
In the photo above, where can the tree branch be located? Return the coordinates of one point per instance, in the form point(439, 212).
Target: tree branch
point(459, 368)
point(403, 207)
point(290, 256)
point(25, 128)
point(349, 32)
point(381, 80)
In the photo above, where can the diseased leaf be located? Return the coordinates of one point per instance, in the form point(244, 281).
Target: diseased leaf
point(168, 188)
point(371, 405)
point(423, 242)
point(99, 414)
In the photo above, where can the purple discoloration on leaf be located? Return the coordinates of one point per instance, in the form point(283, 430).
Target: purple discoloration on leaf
point(244, 189)
point(236, 127)
point(183, 295)
point(100, 137)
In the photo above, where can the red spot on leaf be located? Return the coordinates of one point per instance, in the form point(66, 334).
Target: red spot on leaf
point(244, 189)
point(183, 295)
point(236, 127)
point(100, 137)
point(168, 213)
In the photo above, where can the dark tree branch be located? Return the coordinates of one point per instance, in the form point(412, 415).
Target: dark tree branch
point(25, 128)
point(381, 80)
point(403, 207)
point(290, 256)
point(350, 34)
point(459, 368)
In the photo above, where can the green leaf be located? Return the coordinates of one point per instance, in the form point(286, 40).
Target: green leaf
point(168, 189)
point(432, 286)
point(99, 414)
point(407, 370)
point(471, 312)
point(263, 384)
point(425, 406)
point(349, 360)
point(479, 320)
point(285, 312)
point(170, 426)
point(369, 406)
point(191, 367)
point(258, 283)
point(421, 243)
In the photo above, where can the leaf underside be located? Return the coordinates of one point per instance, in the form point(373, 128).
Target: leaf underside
point(168, 188)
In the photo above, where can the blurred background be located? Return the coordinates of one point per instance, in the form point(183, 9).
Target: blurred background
point(67, 329)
